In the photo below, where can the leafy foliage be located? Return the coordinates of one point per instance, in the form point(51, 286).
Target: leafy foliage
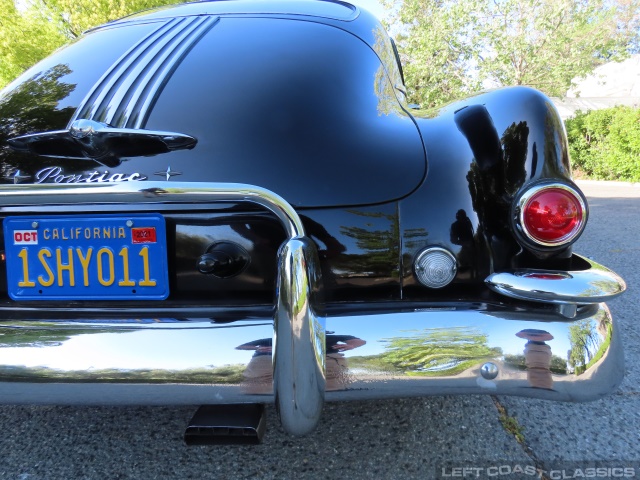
point(33, 107)
point(546, 43)
point(436, 42)
point(76, 16)
point(585, 341)
point(437, 351)
point(605, 144)
point(30, 33)
point(25, 38)
point(451, 48)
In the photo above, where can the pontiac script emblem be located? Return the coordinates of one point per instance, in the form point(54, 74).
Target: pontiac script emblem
point(57, 175)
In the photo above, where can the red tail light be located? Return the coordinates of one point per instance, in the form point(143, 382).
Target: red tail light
point(552, 215)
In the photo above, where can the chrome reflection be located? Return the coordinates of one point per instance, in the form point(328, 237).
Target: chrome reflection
point(590, 339)
point(123, 351)
point(430, 351)
point(258, 376)
point(157, 193)
point(298, 356)
point(538, 357)
point(593, 285)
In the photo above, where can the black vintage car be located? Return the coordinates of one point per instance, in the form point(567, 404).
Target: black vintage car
point(231, 203)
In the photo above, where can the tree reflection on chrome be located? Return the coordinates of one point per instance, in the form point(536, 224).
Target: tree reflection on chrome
point(432, 352)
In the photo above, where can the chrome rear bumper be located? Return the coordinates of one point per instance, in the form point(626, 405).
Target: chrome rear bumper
point(431, 351)
point(292, 359)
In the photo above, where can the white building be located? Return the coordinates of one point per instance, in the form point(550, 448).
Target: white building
point(611, 84)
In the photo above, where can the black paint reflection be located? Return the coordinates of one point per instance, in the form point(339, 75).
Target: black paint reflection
point(258, 376)
point(495, 175)
point(378, 245)
point(461, 233)
point(32, 107)
point(387, 101)
point(515, 144)
point(329, 246)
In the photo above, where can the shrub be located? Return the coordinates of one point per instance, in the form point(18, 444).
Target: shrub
point(605, 144)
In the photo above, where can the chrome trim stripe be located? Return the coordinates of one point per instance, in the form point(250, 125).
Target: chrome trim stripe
point(108, 83)
point(125, 95)
point(128, 193)
point(132, 81)
point(595, 285)
point(200, 362)
point(146, 97)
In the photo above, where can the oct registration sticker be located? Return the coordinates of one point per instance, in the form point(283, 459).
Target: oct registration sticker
point(98, 257)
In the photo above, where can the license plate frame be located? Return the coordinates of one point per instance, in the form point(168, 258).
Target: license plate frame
point(112, 257)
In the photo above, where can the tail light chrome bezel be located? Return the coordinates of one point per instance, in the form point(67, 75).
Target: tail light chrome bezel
point(527, 237)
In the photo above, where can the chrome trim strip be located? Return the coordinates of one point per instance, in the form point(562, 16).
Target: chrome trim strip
point(124, 96)
point(127, 193)
point(169, 362)
point(111, 110)
point(152, 86)
point(108, 83)
point(298, 372)
point(595, 285)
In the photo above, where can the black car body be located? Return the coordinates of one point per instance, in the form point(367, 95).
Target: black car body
point(232, 202)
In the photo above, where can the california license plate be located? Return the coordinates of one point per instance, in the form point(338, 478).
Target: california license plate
point(101, 257)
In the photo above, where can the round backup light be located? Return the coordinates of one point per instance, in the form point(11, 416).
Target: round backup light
point(552, 215)
point(435, 267)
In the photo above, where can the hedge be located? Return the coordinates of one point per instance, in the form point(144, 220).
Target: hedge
point(605, 144)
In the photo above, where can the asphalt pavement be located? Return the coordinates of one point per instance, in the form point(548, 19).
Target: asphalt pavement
point(427, 438)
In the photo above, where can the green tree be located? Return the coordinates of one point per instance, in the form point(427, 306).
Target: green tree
point(379, 239)
point(435, 40)
point(585, 341)
point(547, 43)
point(438, 351)
point(37, 28)
point(605, 144)
point(25, 38)
point(451, 48)
point(75, 16)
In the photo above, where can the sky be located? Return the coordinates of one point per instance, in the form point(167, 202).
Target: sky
point(175, 345)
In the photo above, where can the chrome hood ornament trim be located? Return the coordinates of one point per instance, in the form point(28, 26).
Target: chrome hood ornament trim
point(90, 140)
point(109, 123)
